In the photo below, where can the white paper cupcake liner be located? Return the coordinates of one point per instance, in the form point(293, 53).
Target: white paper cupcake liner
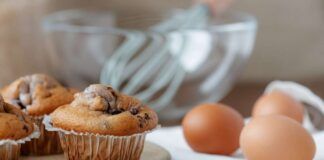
point(47, 143)
point(89, 146)
point(9, 151)
point(314, 119)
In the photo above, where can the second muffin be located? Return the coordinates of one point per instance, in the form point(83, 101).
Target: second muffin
point(38, 95)
point(102, 123)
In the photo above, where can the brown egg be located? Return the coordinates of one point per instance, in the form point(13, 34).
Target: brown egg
point(213, 128)
point(276, 137)
point(280, 103)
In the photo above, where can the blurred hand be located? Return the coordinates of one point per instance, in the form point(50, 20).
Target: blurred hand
point(217, 6)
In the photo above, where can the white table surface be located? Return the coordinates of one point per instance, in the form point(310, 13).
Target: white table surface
point(172, 139)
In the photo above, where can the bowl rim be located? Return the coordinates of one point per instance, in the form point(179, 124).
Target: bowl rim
point(55, 22)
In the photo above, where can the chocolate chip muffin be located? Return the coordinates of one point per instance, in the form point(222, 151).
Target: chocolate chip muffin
point(100, 116)
point(14, 125)
point(38, 95)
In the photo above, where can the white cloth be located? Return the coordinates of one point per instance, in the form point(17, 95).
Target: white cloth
point(172, 139)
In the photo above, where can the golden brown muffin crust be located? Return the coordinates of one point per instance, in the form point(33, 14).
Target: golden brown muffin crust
point(102, 110)
point(14, 124)
point(37, 94)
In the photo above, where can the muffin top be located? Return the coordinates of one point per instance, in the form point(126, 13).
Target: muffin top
point(102, 110)
point(37, 94)
point(14, 124)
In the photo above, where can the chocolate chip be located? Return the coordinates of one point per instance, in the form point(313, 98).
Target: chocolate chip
point(1, 104)
point(146, 116)
point(115, 95)
point(133, 111)
point(22, 106)
point(25, 127)
point(141, 121)
point(5, 109)
point(114, 111)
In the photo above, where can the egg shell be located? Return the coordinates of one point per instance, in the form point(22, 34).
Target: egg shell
point(213, 128)
point(278, 102)
point(276, 137)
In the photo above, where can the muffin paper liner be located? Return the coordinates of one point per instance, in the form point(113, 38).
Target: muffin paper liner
point(10, 149)
point(89, 146)
point(47, 143)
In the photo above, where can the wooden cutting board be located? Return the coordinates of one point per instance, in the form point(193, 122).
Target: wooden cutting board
point(151, 152)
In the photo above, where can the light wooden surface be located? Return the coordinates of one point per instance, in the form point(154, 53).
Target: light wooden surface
point(151, 152)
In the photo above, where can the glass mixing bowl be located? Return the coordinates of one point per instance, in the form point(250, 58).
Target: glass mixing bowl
point(81, 41)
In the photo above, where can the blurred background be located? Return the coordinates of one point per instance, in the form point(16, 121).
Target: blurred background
point(289, 43)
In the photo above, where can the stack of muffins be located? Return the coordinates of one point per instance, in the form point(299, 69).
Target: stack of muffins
point(16, 128)
point(38, 95)
point(99, 123)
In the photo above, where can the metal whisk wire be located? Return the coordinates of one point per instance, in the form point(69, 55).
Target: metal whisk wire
point(144, 62)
